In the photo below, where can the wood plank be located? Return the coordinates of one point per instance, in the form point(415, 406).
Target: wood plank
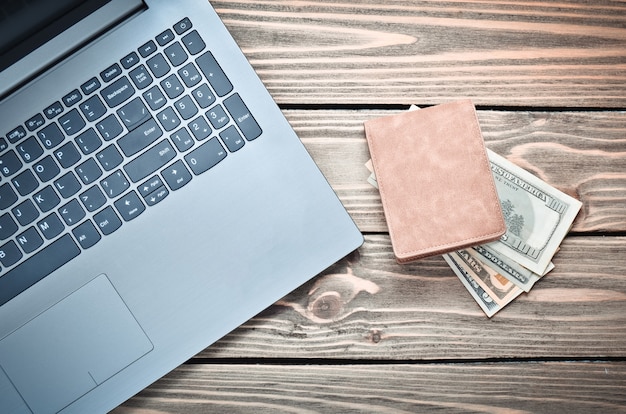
point(572, 387)
point(368, 307)
point(531, 53)
point(581, 153)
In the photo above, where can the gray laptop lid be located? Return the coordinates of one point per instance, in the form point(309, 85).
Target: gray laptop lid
point(213, 248)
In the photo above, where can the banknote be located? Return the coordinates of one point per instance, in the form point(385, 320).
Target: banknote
point(501, 290)
point(507, 267)
point(484, 300)
point(537, 215)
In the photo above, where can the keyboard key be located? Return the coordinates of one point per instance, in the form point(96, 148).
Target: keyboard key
point(67, 155)
point(149, 186)
point(165, 37)
point(16, 134)
point(46, 199)
point(185, 107)
point(176, 54)
point(147, 49)
point(193, 42)
point(182, 26)
point(25, 182)
point(190, 75)
point(158, 65)
point(140, 137)
point(8, 227)
point(182, 139)
point(242, 116)
point(109, 127)
point(67, 185)
point(232, 139)
point(141, 77)
point(53, 110)
point(93, 108)
point(129, 206)
point(107, 221)
point(133, 114)
point(88, 171)
point(93, 198)
point(72, 98)
point(172, 86)
point(200, 128)
point(50, 136)
point(7, 196)
point(168, 119)
point(9, 255)
point(115, 184)
point(204, 96)
point(25, 212)
point(72, 122)
point(9, 163)
point(176, 175)
point(46, 169)
point(29, 150)
point(72, 212)
point(205, 156)
point(117, 92)
point(3, 144)
point(88, 141)
point(129, 60)
point(150, 161)
point(213, 72)
point(155, 98)
point(29, 240)
point(111, 72)
point(37, 267)
point(86, 234)
point(156, 196)
point(217, 116)
point(51, 226)
point(35, 122)
point(109, 158)
point(90, 86)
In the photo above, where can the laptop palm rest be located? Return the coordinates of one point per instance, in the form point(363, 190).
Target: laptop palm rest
point(72, 347)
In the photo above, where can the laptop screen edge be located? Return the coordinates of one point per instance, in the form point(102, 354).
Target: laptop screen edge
point(55, 49)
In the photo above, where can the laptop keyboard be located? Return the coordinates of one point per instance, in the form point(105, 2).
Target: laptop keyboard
point(107, 151)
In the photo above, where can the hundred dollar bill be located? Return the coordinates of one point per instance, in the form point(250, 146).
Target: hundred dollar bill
point(507, 267)
point(501, 290)
point(537, 215)
point(484, 300)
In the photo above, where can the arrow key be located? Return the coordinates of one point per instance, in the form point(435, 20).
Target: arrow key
point(156, 196)
point(176, 175)
point(129, 206)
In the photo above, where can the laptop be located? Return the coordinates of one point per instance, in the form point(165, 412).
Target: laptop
point(152, 198)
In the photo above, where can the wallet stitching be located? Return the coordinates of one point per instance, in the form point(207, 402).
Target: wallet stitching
point(414, 254)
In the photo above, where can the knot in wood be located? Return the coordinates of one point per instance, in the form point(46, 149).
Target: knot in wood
point(327, 306)
point(374, 336)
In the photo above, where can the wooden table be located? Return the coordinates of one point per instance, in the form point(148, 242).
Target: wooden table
point(549, 82)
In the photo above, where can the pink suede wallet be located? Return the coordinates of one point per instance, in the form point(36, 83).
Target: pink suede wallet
point(435, 180)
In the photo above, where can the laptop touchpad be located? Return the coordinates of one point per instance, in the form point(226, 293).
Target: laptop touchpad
point(72, 347)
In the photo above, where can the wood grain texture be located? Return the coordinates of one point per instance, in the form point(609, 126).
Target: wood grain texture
point(531, 53)
point(368, 307)
point(445, 388)
point(580, 153)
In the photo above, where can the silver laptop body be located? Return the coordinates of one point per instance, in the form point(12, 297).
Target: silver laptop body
point(223, 214)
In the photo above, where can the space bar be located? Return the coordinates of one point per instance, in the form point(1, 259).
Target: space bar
point(37, 267)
